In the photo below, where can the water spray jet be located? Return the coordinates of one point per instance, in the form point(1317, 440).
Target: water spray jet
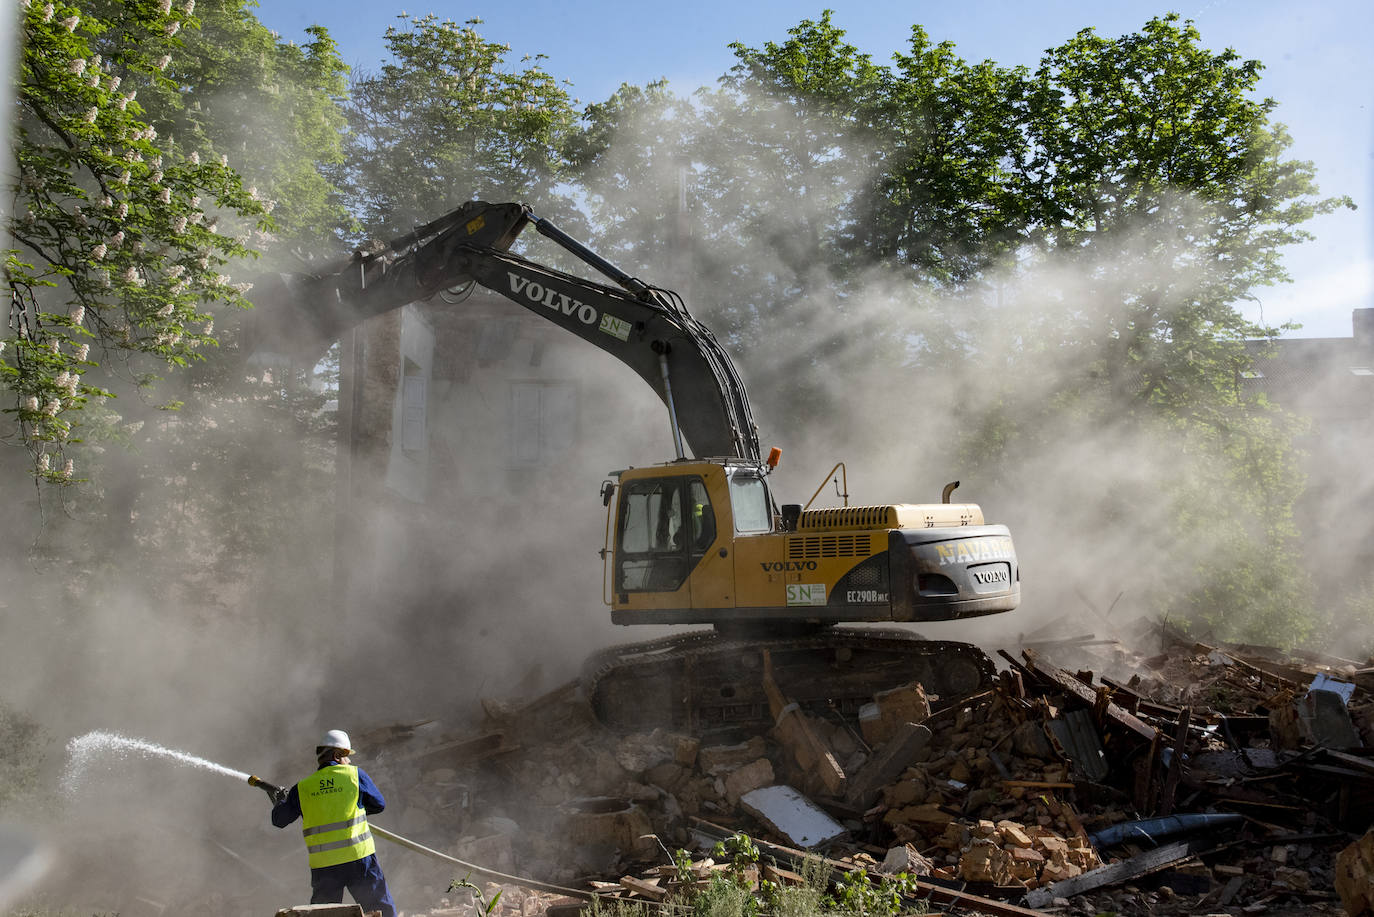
point(83, 749)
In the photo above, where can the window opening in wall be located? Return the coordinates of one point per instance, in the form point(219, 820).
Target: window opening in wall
point(414, 408)
point(543, 421)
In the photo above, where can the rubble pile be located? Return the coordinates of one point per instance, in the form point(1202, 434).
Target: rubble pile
point(1201, 779)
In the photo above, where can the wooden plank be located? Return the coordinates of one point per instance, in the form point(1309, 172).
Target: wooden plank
point(475, 748)
point(794, 731)
point(650, 890)
point(1175, 771)
point(1089, 697)
point(1038, 784)
point(1113, 874)
point(884, 767)
point(1354, 761)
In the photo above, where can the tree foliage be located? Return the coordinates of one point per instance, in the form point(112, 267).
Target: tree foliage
point(114, 221)
point(448, 119)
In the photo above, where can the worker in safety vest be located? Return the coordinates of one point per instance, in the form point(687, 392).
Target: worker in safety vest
point(333, 804)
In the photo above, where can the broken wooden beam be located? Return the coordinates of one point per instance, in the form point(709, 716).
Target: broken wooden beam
point(1089, 697)
point(794, 731)
point(1114, 873)
point(885, 766)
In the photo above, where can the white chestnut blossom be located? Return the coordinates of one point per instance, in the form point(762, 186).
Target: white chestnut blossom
point(99, 251)
point(179, 225)
point(82, 352)
point(47, 12)
point(172, 28)
point(68, 468)
point(77, 66)
point(195, 158)
point(44, 461)
point(91, 114)
point(176, 271)
point(77, 315)
point(31, 403)
point(71, 22)
point(52, 407)
point(165, 195)
point(117, 239)
point(190, 7)
point(165, 6)
point(165, 59)
point(123, 210)
point(166, 311)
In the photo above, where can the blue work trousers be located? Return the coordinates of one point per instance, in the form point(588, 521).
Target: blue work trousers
point(363, 879)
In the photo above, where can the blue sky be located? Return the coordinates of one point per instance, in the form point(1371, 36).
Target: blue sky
point(1317, 60)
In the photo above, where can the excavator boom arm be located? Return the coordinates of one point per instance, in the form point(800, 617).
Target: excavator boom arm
point(646, 328)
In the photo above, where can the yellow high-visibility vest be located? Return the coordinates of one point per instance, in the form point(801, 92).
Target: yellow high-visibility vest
point(336, 828)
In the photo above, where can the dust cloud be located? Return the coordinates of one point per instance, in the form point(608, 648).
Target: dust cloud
point(247, 597)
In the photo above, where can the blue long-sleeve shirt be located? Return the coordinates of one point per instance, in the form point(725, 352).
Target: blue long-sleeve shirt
point(289, 809)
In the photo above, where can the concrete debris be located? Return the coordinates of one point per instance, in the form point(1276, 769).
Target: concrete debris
point(791, 816)
point(1202, 778)
point(1355, 876)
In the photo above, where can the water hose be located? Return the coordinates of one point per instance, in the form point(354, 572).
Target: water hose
point(489, 874)
point(276, 792)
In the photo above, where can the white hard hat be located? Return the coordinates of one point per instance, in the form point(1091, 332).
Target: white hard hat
point(336, 738)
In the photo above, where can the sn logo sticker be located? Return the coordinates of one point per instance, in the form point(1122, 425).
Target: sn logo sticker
point(806, 594)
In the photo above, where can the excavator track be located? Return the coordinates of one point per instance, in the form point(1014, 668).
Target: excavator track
point(705, 682)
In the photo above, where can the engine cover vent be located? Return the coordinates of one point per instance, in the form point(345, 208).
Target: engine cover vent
point(896, 516)
point(813, 547)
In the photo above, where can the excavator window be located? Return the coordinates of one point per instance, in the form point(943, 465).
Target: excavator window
point(703, 517)
point(660, 532)
point(749, 503)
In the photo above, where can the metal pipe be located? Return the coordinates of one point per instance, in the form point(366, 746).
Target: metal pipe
point(545, 228)
point(844, 473)
point(668, 398)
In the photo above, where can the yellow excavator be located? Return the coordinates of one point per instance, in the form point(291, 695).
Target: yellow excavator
point(700, 539)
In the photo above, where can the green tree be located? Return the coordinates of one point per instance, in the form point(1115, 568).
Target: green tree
point(446, 120)
point(113, 223)
point(950, 136)
point(276, 109)
point(1159, 197)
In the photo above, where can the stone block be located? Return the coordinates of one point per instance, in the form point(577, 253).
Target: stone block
point(984, 861)
point(752, 776)
point(718, 759)
point(880, 720)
